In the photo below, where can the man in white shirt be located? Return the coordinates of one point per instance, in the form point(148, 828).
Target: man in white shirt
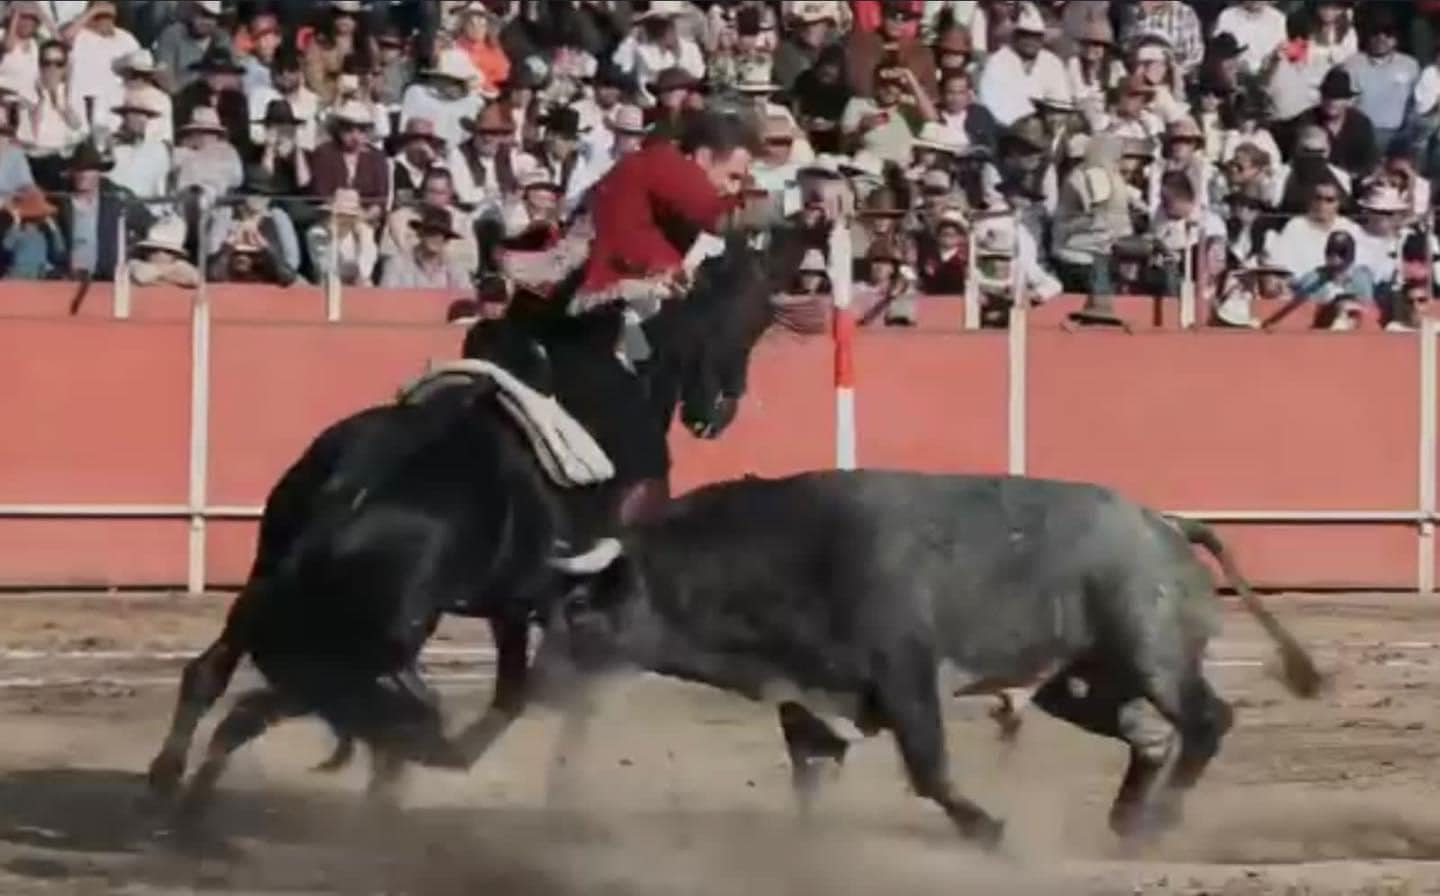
point(657, 46)
point(20, 47)
point(97, 43)
point(142, 161)
point(1257, 26)
point(1300, 246)
point(609, 90)
point(1014, 75)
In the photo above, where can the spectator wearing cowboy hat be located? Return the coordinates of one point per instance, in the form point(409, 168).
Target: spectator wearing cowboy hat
point(1256, 27)
point(892, 45)
point(161, 257)
point(31, 245)
point(219, 88)
point(675, 92)
point(426, 265)
point(742, 53)
point(395, 66)
point(478, 37)
point(813, 28)
point(141, 78)
point(655, 45)
point(969, 123)
point(96, 43)
point(436, 192)
point(90, 214)
point(412, 152)
point(205, 159)
point(355, 254)
point(185, 42)
point(888, 288)
point(444, 96)
point(251, 249)
point(559, 153)
point(943, 255)
point(776, 169)
point(1254, 281)
point(1353, 146)
point(142, 160)
point(1311, 156)
point(348, 160)
point(1383, 213)
point(1092, 213)
point(286, 84)
point(1020, 71)
point(491, 164)
point(357, 85)
point(627, 126)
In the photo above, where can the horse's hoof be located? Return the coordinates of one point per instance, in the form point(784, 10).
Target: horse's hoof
point(165, 774)
point(986, 833)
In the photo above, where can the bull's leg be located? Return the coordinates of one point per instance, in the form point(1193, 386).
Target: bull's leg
point(810, 742)
point(1010, 703)
point(512, 641)
point(204, 681)
point(1204, 721)
point(910, 703)
point(248, 719)
point(1115, 704)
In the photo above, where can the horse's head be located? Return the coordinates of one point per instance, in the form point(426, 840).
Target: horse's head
point(728, 310)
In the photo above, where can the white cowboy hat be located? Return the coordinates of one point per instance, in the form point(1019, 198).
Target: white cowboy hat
point(813, 263)
point(995, 238)
point(1051, 100)
point(345, 202)
point(453, 66)
point(206, 119)
point(212, 7)
point(137, 101)
point(539, 178)
point(1030, 20)
point(1235, 309)
point(627, 119)
point(824, 165)
point(353, 112)
point(756, 79)
point(938, 137)
point(1259, 264)
point(168, 234)
point(808, 12)
point(864, 164)
point(954, 216)
point(141, 61)
point(662, 9)
point(1384, 198)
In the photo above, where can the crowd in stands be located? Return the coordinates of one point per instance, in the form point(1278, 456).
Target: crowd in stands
point(1273, 157)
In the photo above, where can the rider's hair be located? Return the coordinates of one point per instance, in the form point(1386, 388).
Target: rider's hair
point(718, 132)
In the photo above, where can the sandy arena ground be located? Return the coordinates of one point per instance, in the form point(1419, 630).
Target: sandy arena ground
point(685, 791)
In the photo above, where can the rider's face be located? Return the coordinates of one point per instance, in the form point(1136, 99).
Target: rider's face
point(726, 172)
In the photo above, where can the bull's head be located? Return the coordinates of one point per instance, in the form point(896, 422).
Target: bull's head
point(591, 630)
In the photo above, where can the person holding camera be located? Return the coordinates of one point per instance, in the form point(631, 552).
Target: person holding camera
point(655, 45)
point(887, 123)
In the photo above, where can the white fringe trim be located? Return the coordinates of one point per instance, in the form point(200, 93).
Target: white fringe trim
point(569, 454)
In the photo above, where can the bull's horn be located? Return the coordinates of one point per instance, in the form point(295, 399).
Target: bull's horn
point(592, 561)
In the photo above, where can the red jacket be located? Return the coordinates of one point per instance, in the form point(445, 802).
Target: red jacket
point(630, 255)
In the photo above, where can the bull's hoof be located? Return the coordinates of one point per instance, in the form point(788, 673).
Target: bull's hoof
point(1139, 824)
point(164, 777)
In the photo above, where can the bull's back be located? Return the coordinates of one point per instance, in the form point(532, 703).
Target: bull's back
point(983, 566)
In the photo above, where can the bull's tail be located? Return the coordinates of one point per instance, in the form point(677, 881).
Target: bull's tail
point(1301, 675)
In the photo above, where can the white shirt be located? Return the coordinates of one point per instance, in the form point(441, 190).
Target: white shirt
point(645, 60)
point(421, 101)
point(20, 67)
point(304, 104)
point(1008, 84)
point(1259, 32)
point(1300, 247)
point(44, 130)
point(92, 72)
point(161, 127)
point(1427, 90)
point(143, 168)
point(1259, 138)
point(1380, 254)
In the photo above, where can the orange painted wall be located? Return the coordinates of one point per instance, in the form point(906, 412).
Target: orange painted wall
point(97, 411)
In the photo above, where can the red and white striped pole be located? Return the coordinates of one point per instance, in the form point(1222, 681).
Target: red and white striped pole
point(841, 263)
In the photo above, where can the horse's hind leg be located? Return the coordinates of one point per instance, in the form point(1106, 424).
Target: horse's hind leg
point(204, 681)
point(251, 715)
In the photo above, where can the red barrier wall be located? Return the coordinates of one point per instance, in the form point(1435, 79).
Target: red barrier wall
point(98, 412)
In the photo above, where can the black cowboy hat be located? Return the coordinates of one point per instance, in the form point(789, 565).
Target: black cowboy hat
point(1337, 85)
point(278, 112)
point(673, 78)
point(562, 121)
point(217, 59)
point(1225, 46)
point(609, 75)
point(287, 59)
point(87, 157)
point(435, 220)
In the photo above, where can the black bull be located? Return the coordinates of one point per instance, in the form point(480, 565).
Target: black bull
point(400, 513)
point(862, 595)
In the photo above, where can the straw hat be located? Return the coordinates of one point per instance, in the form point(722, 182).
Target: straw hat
point(203, 119)
point(435, 220)
point(826, 165)
point(451, 67)
point(809, 12)
point(627, 119)
point(353, 112)
point(863, 164)
point(345, 204)
point(883, 203)
point(495, 118)
point(1386, 200)
point(539, 179)
point(952, 217)
point(1029, 21)
point(938, 137)
point(1098, 31)
point(662, 9)
point(1184, 128)
point(673, 78)
point(756, 79)
point(166, 234)
point(138, 62)
point(813, 262)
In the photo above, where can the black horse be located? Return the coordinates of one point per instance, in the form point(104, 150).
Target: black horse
point(401, 513)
